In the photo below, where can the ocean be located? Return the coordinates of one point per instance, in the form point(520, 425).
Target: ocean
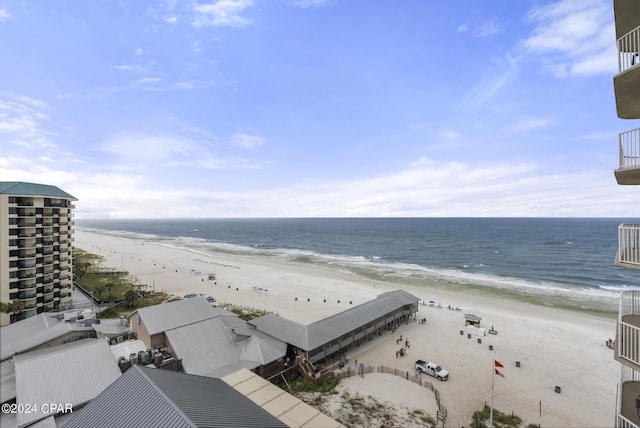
point(566, 262)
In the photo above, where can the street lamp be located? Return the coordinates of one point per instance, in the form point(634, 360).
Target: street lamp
point(92, 308)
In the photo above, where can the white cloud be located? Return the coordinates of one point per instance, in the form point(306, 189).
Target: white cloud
point(141, 149)
point(309, 3)
point(485, 29)
point(531, 123)
point(462, 28)
point(23, 119)
point(140, 51)
point(145, 80)
point(125, 67)
point(426, 188)
point(573, 37)
point(492, 82)
point(450, 135)
point(247, 141)
point(5, 15)
point(221, 13)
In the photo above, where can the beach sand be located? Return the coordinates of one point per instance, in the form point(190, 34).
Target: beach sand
point(554, 347)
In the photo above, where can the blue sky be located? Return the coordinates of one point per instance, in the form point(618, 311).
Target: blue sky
point(295, 108)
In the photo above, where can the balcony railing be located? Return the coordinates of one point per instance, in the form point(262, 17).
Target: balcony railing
point(628, 391)
point(627, 345)
point(628, 246)
point(629, 148)
point(629, 50)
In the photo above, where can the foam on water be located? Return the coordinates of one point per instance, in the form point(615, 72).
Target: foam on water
point(545, 259)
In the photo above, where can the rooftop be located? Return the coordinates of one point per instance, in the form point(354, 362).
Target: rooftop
point(76, 373)
point(324, 331)
point(35, 331)
point(167, 398)
point(166, 316)
point(20, 188)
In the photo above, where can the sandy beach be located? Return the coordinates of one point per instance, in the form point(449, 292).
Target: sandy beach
point(554, 347)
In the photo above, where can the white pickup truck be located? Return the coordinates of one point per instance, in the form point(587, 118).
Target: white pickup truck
point(432, 369)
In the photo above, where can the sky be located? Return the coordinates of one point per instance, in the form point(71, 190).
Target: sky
point(314, 108)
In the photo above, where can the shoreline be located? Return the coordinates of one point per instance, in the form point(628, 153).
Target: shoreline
point(555, 298)
point(555, 346)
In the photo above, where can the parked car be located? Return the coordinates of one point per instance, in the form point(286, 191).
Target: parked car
point(432, 369)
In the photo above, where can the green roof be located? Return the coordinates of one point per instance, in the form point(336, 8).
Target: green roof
point(32, 189)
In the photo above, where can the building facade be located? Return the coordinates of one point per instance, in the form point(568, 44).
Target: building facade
point(627, 93)
point(36, 236)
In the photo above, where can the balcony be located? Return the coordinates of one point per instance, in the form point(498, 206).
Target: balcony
point(627, 344)
point(26, 296)
point(627, 82)
point(626, 16)
point(628, 255)
point(627, 413)
point(628, 171)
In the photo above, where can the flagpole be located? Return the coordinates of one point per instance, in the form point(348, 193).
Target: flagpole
point(493, 377)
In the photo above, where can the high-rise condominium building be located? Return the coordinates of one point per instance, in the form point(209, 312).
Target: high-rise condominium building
point(36, 235)
point(627, 91)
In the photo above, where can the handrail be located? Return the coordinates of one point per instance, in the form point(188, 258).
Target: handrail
point(629, 50)
point(629, 148)
point(629, 243)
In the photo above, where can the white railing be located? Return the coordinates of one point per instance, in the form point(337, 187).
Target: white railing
point(628, 337)
point(629, 148)
point(629, 244)
point(627, 374)
point(629, 50)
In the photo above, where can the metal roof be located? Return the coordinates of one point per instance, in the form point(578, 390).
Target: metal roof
point(208, 346)
point(20, 188)
point(125, 349)
point(34, 331)
point(166, 316)
point(7, 380)
point(284, 406)
point(282, 328)
point(324, 331)
point(110, 327)
point(75, 373)
point(145, 397)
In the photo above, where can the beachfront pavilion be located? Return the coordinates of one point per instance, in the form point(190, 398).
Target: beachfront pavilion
point(338, 333)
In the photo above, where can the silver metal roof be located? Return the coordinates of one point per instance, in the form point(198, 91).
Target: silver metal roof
point(324, 331)
point(34, 331)
point(75, 373)
point(145, 397)
point(159, 318)
point(208, 346)
point(7, 380)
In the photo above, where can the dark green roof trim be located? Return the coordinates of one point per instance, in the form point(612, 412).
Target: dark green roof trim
point(20, 188)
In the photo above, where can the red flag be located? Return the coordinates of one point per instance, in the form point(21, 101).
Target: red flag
point(497, 363)
point(498, 373)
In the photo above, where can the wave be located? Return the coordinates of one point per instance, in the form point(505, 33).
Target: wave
point(397, 272)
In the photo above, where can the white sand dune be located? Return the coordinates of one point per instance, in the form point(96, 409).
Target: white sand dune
point(554, 347)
